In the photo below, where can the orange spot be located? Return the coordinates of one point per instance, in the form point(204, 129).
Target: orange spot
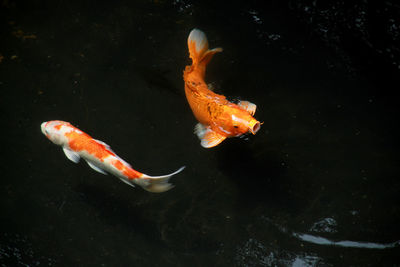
point(132, 174)
point(126, 170)
point(58, 126)
point(118, 164)
point(83, 142)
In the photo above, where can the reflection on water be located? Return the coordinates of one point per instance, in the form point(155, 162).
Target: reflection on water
point(326, 225)
point(255, 253)
point(347, 244)
point(16, 250)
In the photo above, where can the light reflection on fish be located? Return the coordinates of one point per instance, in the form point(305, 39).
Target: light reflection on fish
point(218, 118)
point(99, 156)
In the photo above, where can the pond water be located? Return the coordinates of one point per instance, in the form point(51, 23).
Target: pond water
point(318, 185)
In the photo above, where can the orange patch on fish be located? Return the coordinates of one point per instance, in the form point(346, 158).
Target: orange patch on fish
point(132, 174)
point(128, 172)
point(83, 142)
point(118, 164)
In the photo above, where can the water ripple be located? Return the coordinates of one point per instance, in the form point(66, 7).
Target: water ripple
point(346, 243)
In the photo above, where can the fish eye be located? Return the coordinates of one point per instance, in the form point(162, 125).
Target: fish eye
point(235, 126)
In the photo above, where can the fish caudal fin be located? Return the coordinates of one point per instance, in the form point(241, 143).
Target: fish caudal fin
point(157, 184)
point(198, 48)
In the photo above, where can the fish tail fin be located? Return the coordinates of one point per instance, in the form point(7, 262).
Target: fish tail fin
point(198, 49)
point(157, 184)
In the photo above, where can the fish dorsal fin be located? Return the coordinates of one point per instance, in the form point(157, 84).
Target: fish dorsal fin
point(208, 137)
point(71, 155)
point(248, 106)
point(97, 169)
point(104, 144)
point(123, 162)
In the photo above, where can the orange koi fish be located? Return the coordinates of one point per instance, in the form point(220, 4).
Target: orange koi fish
point(218, 118)
point(99, 156)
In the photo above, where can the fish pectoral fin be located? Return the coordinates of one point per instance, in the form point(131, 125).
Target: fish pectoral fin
point(211, 139)
point(200, 130)
point(248, 106)
point(71, 155)
point(97, 169)
point(208, 137)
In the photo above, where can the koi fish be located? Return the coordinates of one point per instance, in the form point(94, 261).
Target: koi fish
point(99, 156)
point(218, 118)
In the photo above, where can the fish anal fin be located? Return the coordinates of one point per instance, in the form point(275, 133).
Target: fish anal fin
point(94, 167)
point(71, 155)
point(248, 106)
point(208, 137)
point(127, 182)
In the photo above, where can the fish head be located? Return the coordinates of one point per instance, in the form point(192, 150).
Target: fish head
point(55, 131)
point(244, 123)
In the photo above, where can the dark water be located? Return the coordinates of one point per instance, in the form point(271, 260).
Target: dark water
point(317, 186)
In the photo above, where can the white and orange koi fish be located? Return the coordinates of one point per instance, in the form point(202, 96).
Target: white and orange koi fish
point(99, 156)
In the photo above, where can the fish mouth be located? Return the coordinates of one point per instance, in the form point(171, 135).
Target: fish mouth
point(254, 126)
point(43, 126)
